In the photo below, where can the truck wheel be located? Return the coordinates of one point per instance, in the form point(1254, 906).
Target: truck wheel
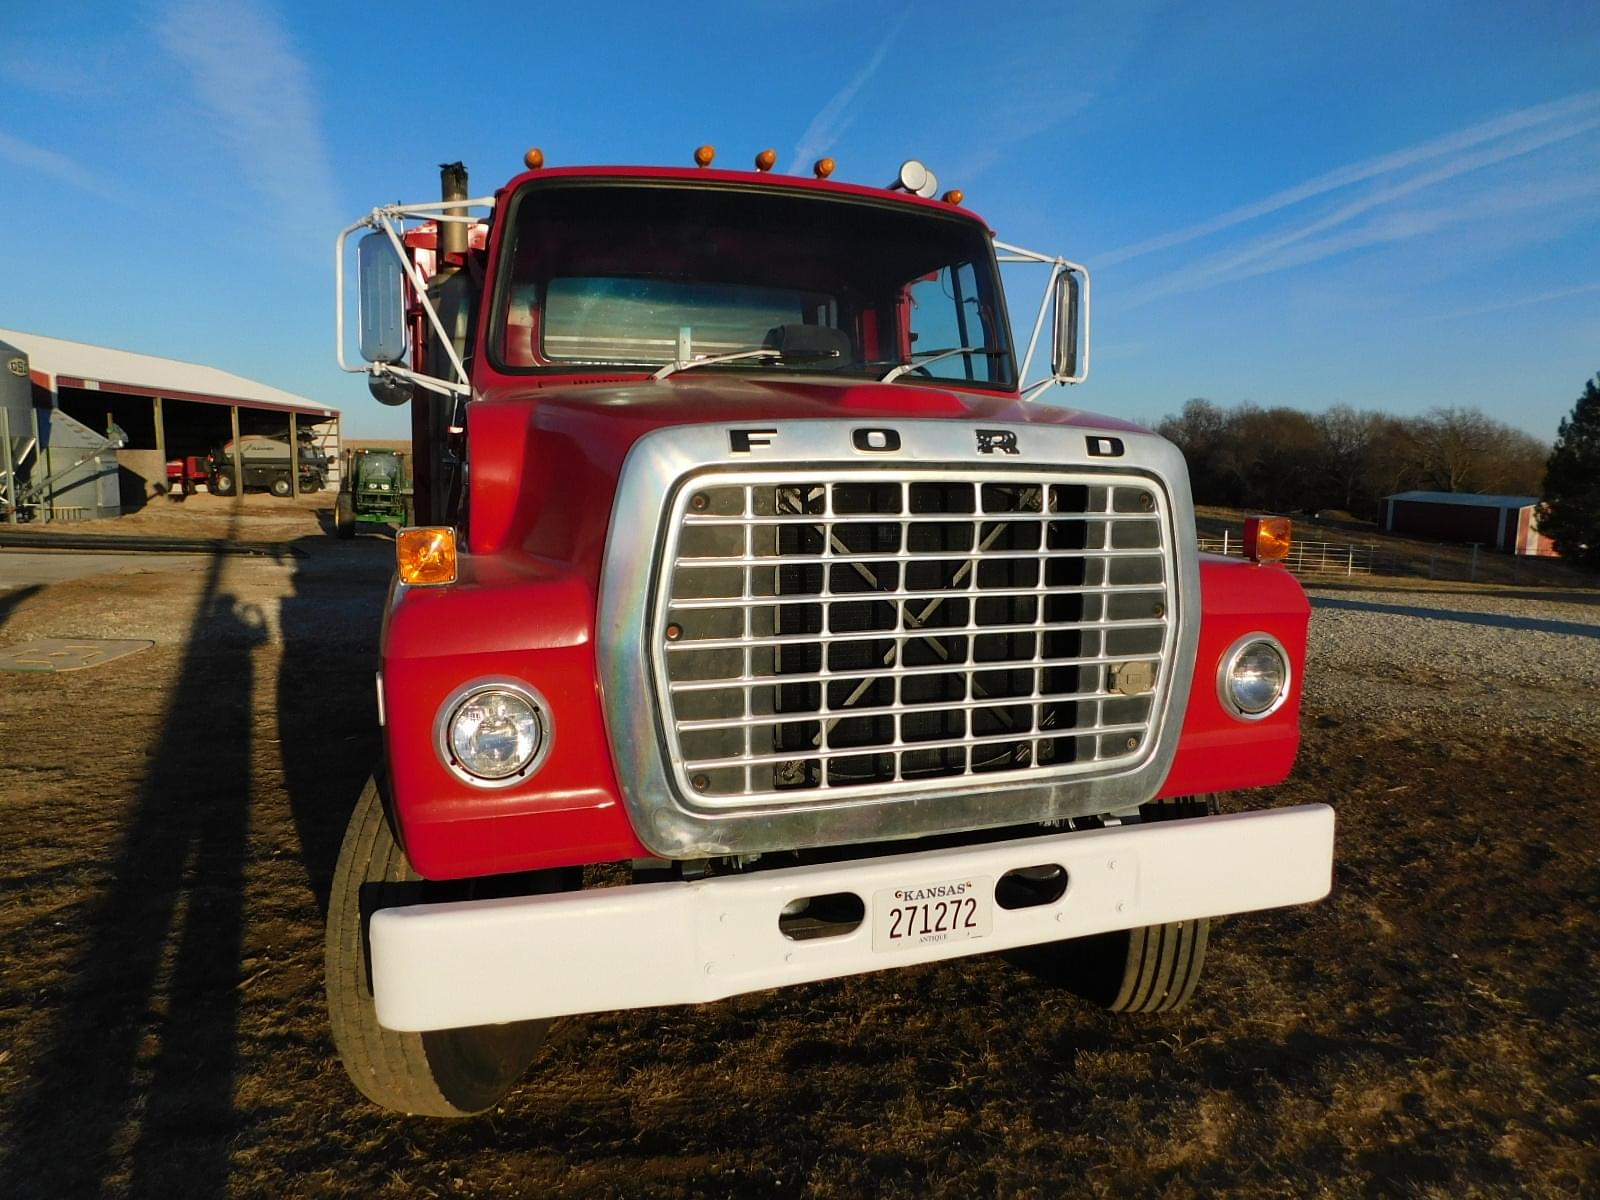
point(281, 486)
point(344, 516)
point(222, 483)
point(445, 1073)
point(1150, 969)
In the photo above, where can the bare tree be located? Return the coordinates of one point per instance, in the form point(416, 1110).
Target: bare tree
point(1348, 438)
point(1284, 459)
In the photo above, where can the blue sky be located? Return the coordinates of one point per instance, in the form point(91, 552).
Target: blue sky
point(1395, 206)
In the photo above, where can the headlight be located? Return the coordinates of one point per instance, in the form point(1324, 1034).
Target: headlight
point(1253, 679)
point(493, 734)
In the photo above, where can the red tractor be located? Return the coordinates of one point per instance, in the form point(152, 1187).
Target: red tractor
point(759, 626)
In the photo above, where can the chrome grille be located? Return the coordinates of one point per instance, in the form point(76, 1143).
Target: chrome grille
point(822, 635)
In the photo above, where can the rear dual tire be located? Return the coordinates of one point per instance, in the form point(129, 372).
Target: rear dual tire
point(444, 1073)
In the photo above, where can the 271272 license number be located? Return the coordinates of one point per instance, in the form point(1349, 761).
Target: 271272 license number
point(930, 913)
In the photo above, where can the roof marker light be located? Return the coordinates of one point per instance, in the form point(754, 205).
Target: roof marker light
point(766, 160)
point(534, 158)
point(703, 155)
point(822, 168)
point(954, 196)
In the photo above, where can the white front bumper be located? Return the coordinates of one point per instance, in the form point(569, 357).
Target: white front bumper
point(481, 962)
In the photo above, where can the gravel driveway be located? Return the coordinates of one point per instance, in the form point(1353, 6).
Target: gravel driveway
point(1513, 660)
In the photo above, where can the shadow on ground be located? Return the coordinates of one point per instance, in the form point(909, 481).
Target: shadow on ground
point(159, 953)
point(327, 695)
point(1491, 620)
point(11, 601)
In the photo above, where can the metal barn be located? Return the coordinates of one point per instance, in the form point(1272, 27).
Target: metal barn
point(1507, 523)
point(164, 409)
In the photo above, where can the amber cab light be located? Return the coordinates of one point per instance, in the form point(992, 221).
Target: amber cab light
point(426, 555)
point(1266, 539)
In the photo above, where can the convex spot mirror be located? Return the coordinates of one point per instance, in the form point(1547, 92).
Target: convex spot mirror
point(1069, 361)
point(380, 288)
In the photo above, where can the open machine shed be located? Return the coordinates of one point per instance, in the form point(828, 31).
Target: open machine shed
point(168, 409)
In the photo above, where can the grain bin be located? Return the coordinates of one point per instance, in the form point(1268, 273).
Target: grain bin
point(16, 399)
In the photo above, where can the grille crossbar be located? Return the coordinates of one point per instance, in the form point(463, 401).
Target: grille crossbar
point(847, 632)
point(703, 685)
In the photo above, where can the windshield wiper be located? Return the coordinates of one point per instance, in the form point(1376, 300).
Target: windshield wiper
point(922, 358)
point(761, 352)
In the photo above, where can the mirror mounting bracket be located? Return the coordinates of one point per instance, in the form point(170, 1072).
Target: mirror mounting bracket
point(390, 219)
point(1060, 268)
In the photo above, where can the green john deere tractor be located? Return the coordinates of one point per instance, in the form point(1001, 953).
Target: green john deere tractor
point(373, 487)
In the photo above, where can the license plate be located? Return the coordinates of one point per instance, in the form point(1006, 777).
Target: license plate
point(926, 914)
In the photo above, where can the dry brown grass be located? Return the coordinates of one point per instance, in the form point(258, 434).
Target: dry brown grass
point(1428, 1031)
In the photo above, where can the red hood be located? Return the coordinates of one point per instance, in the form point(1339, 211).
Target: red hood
point(545, 460)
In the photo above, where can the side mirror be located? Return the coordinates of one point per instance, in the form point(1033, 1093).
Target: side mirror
point(1069, 360)
point(391, 389)
point(380, 286)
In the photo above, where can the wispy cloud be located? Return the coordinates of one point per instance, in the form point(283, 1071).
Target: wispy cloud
point(1393, 205)
point(53, 164)
point(260, 103)
point(1566, 293)
point(51, 71)
point(1018, 104)
point(1581, 105)
point(834, 117)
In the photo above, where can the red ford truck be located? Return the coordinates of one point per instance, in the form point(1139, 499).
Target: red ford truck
point(762, 625)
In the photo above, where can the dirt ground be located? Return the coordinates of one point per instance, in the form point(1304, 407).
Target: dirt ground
point(170, 822)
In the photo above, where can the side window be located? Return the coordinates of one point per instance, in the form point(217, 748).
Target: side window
point(945, 314)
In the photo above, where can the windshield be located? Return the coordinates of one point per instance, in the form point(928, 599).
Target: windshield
point(379, 466)
point(646, 274)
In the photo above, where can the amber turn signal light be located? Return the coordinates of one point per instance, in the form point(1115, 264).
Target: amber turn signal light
point(1266, 539)
point(426, 555)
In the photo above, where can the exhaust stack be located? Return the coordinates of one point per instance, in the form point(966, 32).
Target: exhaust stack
point(452, 186)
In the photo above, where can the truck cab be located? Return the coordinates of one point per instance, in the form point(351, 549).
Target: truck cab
point(764, 626)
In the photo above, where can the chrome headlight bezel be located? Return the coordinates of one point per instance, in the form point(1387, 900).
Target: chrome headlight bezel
point(458, 699)
point(1230, 661)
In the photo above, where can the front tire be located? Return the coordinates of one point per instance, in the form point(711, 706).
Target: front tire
point(443, 1073)
point(1150, 969)
point(222, 483)
point(344, 516)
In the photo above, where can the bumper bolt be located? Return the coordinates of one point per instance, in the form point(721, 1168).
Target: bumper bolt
point(1133, 743)
point(674, 632)
point(699, 503)
point(701, 782)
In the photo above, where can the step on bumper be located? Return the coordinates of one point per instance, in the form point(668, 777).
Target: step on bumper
point(480, 962)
